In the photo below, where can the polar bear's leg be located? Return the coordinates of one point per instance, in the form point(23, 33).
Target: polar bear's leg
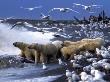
point(43, 58)
point(37, 57)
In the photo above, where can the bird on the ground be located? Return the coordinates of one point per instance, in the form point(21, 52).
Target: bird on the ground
point(32, 8)
point(98, 51)
point(107, 67)
point(87, 68)
point(69, 79)
point(63, 10)
point(44, 66)
point(75, 77)
point(105, 54)
point(86, 78)
point(68, 73)
point(108, 48)
point(91, 59)
point(60, 61)
point(99, 75)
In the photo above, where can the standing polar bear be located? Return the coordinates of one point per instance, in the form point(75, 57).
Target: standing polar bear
point(68, 52)
point(72, 48)
point(92, 44)
point(46, 51)
point(25, 51)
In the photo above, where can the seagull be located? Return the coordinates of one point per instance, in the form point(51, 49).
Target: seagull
point(103, 48)
point(92, 59)
point(92, 72)
point(87, 7)
point(63, 10)
point(9, 17)
point(99, 75)
point(5, 19)
point(44, 66)
point(45, 17)
point(22, 23)
point(69, 79)
point(60, 61)
point(108, 48)
point(87, 54)
point(28, 24)
point(71, 61)
point(87, 68)
point(106, 67)
point(85, 77)
point(75, 65)
point(96, 64)
point(105, 54)
point(75, 77)
point(98, 51)
point(31, 8)
point(68, 73)
point(17, 23)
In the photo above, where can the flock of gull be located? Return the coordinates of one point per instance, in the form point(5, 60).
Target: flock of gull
point(90, 68)
point(87, 67)
point(64, 10)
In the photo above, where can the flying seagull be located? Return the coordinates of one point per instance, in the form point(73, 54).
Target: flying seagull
point(17, 23)
point(87, 7)
point(63, 10)
point(32, 8)
point(21, 24)
point(45, 17)
point(5, 19)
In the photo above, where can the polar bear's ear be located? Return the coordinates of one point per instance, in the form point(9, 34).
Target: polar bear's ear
point(14, 43)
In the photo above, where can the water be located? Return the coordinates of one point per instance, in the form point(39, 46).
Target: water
point(26, 74)
point(7, 37)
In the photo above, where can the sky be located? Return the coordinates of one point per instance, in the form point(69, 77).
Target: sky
point(12, 8)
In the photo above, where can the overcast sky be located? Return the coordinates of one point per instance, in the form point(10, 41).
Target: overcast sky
point(12, 8)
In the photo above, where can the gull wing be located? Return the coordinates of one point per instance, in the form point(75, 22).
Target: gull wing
point(38, 7)
point(72, 10)
point(97, 5)
point(54, 9)
point(77, 4)
point(92, 12)
point(27, 8)
point(42, 15)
